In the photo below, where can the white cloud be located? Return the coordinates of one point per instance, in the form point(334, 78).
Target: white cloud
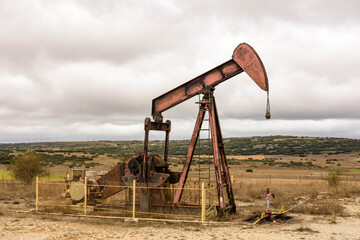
point(83, 69)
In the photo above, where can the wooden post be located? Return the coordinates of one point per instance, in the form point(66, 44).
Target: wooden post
point(37, 194)
point(85, 196)
point(203, 202)
point(134, 197)
point(232, 180)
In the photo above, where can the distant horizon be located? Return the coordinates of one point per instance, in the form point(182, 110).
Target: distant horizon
point(121, 140)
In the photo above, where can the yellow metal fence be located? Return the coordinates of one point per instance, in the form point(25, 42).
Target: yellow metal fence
point(134, 201)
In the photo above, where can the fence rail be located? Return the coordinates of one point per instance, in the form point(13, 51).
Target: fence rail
point(133, 201)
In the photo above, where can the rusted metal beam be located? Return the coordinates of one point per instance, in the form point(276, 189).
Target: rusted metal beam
point(159, 126)
point(244, 58)
point(195, 86)
point(166, 153)
point(144, 169)
point(215, 146)
point(224, 164)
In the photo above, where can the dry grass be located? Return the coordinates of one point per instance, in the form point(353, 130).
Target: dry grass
point(291, 188)
point(346, 189)
point(317, 197)
point(321, 207)
point(13, 190)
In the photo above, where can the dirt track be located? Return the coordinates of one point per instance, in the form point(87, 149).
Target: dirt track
point(30, 226)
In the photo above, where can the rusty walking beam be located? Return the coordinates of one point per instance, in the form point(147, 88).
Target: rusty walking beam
point(244, 58)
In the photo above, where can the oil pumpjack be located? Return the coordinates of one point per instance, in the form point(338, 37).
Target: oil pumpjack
point(150, 172)
point(244, 59)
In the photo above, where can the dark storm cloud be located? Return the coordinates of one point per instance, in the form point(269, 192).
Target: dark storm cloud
point(75, 70)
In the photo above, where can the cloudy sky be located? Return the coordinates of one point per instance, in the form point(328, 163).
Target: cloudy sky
point(88, 70)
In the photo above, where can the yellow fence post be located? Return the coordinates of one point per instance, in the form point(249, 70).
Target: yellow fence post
point(134, 186)
point(203, 202)
point(85, 196)
point(232, 180)
point(37, 194)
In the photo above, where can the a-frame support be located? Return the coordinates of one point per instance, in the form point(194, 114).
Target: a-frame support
point(208, 103)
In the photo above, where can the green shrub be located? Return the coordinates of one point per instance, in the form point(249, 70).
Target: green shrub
point(27, 167)
point(5, 157)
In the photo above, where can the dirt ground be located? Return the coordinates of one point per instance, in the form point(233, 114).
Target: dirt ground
point(18, 220)
point(33, 226)
point(290, 185)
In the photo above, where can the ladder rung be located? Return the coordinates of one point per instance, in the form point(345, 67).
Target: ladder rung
point(206, 119)
point(204, 129)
